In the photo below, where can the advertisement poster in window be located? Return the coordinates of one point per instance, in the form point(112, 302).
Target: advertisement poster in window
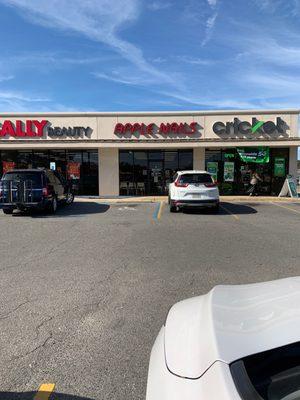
point(73, 170)
point(228, 171)
point(212, 168)
point(279, 166)
point(8, 166)
point(258, 155)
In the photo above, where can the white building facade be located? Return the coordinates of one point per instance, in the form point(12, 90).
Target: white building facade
point(111, 154)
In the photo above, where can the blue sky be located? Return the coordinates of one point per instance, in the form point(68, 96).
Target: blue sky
point(104, 55)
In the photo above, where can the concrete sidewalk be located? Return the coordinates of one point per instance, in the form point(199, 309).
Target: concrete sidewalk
point(156, 199)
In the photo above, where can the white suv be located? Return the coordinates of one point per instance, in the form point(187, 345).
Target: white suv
point(193, 189)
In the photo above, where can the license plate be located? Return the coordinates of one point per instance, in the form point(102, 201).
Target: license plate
point(196, 196)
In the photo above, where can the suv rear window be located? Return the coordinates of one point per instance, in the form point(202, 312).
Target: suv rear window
point(195, 178)
point(34, 177)
point(271, 375)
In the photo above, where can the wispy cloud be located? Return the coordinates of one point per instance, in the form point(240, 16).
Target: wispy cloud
point(127, 76)
point(98, 20)
point(159, 5)
point(6, 78)
point(212, 102)
point(119, 79)
point(12, 95)
point(194, 61)
point(210, 21)
point(159, 60)
point(18, 101)
point(272, 52)
point(47, 61)
point(212, 3)
point(286, 8)
point(274, 84)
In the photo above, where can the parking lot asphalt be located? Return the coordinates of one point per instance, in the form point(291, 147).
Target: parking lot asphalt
point(83, 293)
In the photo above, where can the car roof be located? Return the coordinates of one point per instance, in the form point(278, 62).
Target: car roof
point(231, 322)
point(192, 171)
point(27, 170)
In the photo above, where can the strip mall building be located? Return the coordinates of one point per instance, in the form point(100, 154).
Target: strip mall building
point(110, 154)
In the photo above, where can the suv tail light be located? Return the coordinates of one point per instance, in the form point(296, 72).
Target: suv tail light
point(179, 184)
point(45, 191)
point(210, 185)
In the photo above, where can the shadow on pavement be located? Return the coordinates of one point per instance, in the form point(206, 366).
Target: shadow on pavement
point(237, 208)
point(76, 209)
point(225, 209)
point(30, 396)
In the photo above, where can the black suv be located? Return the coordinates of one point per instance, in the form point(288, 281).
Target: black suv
point(26, 189)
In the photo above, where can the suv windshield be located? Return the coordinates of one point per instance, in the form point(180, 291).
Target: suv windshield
point(195, 178)
point(34, 177)
point(271, 375)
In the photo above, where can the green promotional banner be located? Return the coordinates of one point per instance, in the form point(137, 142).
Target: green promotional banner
point(279, 166)
point(212, 168)
point(228, 171)
point(258, 155)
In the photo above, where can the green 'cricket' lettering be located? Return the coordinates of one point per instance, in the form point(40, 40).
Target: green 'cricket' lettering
point(257, 126)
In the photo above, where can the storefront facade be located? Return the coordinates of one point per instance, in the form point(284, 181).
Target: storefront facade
point(111, 154)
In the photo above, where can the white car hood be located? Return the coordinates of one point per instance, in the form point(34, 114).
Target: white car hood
point(229, 323)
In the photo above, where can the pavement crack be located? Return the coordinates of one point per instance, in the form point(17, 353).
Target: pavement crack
point(39, 347)
point(41, 324)
point(7, 315)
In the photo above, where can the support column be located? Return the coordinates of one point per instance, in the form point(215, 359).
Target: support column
point(293, 161)
point(108, 172)
point(199, 158)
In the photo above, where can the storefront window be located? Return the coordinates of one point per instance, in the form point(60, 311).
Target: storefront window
point(171, 165)
point(8, 160)
point(150, 172)
point(81, 167)
point(185, 160)
point(24, 159)
point(90, 172)
point(126, 172)
point(41, 159)
point(140, 172)
point(57, 161)
point(156, 155)
point(234, 174)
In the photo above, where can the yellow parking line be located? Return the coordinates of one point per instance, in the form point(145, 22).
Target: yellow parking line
point(44, 391)
point(287, 208)
point(229, 212)
point(160, 209)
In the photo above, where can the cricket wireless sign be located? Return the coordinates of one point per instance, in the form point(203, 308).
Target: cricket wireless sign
point(34, 128)
point(245, 127)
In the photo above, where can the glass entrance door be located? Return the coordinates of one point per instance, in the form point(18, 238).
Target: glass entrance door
point(156, 178)
point(149, 172)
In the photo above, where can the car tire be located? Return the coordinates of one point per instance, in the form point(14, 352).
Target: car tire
point(53, 205)
point(69, 199)
point(216, 208)
point(8, 210)
point(173, 208)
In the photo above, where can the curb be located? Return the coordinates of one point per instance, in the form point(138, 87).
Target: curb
point(157, 199)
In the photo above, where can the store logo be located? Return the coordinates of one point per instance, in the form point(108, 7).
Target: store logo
point(34, 128)
point(76, 131)
point(245, 127)
point(29, 128)
point(152, 129)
